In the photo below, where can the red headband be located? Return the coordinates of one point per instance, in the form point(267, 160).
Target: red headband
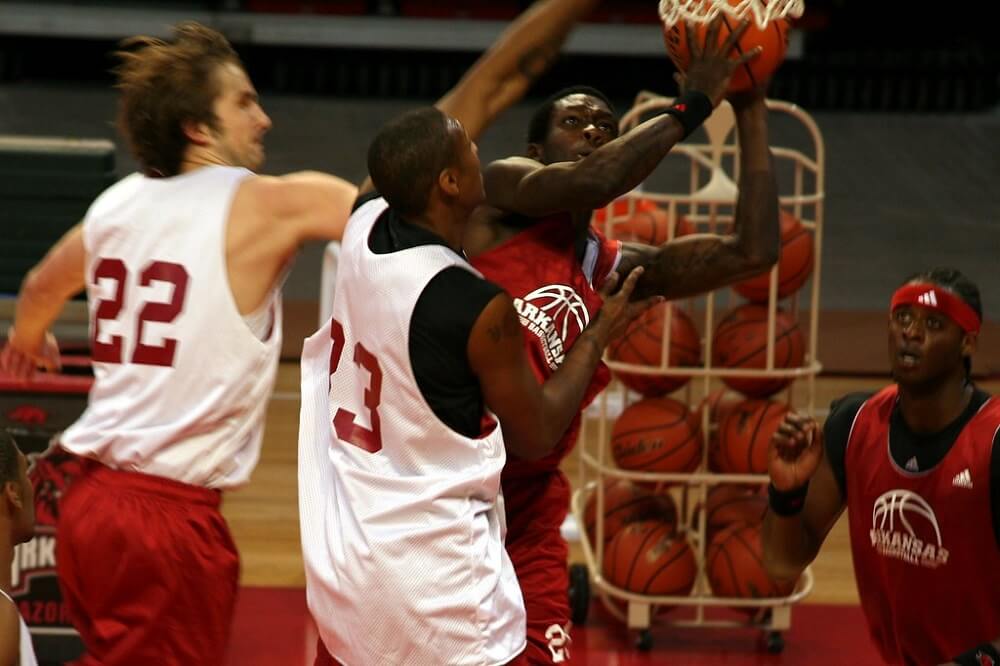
point(934, 297)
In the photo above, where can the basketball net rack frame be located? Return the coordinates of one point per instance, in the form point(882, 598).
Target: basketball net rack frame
point(711, 193)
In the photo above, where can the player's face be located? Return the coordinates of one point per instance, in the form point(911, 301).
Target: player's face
point(580, 124)
point(241, 122)
point(925, 347)
point(470, 175)
point(24, 516)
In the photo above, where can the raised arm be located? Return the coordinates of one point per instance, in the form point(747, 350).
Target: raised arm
point(522, 53)
point(308, 205)
point(533, 416)
point(805, 498)
point(528, 187)
point(501, 76)
point(700, 263)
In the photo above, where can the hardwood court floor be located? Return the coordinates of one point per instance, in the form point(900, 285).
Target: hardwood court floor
point(264, 514)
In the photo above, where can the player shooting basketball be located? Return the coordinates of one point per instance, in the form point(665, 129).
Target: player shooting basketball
point(535, 232)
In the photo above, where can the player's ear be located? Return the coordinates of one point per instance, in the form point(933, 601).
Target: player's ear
point(448, 181)
point(197, 133)
point(12, 495)
point(969, 344)
point(536, 152)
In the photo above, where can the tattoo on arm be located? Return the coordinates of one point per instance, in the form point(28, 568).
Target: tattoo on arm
point(509, 327)
point(683, 270)
point(645, 154)
point(538, 59)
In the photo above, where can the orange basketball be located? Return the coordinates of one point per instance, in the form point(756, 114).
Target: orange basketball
point(642, 344)
point(745, 435)
point(740, 341)
point(651, 226)
point(624, 503)
point(794, 265)
point(733, 503)
point(620, 209)
point(718, 403)
point(735, 566)
point(648, 558)
point(774, 39)
point(657, 435)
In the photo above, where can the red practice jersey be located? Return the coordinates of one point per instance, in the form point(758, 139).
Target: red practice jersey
point(555, 294)
point(925, 557)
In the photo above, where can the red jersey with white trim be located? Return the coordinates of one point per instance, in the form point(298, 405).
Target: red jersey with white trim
point(925, 557)
point(555, 294)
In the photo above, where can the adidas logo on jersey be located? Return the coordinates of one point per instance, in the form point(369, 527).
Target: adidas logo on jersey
point(927, 298)
point(963, 479)
point(912, 465)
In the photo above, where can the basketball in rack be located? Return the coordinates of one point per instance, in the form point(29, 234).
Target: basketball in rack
point(706, 166)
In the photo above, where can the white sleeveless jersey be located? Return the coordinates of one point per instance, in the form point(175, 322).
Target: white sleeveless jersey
point(401, 517)
point(26, 651)
point(181, 384)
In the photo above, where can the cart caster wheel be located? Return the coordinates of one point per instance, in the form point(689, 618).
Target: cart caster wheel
point(644, 643)
point(579, 593)
point(775, 642)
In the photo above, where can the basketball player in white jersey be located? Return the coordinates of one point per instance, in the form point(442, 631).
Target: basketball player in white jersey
point(183, 265)
point(310, 206)
point(17, 525)
point(401, 519)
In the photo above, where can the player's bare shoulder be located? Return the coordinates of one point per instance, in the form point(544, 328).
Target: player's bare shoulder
point(502, 176)
point(300, 206)
point(254, 210)
point(486, 229)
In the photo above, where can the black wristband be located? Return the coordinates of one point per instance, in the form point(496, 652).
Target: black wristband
point(975, 656)
point(787, 503)
point(690, 109)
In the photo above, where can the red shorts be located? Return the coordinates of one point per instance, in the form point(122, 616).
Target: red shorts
point(147, 568)
point(536, 508)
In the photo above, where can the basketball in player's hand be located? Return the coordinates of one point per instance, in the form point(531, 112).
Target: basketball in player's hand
point(773, 38)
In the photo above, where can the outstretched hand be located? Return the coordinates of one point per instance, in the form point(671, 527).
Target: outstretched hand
point(794, 452)
point(618, 312)
point(711, 66)
point(21, 363)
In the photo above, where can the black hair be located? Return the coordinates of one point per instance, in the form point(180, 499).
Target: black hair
point(407, 155)
point(538, 128)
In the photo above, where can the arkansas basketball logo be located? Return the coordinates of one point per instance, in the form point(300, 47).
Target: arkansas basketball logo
point(51, 472)
point(556, 314)
point(905, 527)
